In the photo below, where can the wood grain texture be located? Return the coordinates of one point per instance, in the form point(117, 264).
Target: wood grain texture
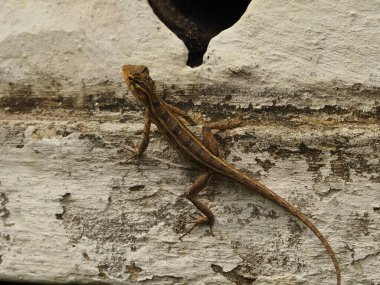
point(72, 206)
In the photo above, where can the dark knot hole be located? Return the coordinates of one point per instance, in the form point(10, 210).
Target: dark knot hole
point(196, 22)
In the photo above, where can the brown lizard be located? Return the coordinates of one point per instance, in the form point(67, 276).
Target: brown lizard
point(205, 154)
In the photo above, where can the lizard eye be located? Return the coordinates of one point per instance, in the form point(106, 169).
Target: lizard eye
point(145, 70)
point(131, 78)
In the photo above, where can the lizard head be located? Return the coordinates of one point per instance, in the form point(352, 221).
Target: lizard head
point(138, 81)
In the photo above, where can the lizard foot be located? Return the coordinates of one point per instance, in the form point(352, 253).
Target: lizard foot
point(197, 221)
point(136, 155)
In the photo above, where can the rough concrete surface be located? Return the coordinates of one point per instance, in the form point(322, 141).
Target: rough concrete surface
point(75, 208)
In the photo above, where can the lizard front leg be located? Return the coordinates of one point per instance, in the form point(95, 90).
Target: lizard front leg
point(208, 137)
point(145, 138)
point(179, 112)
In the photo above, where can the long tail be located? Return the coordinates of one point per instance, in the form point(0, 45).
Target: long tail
point(257, 186)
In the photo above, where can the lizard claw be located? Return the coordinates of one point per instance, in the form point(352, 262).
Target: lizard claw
point(134, 159)
point(136, 154)
point(197, 221)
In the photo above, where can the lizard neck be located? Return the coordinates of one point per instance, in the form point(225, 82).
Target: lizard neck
point(154, 101)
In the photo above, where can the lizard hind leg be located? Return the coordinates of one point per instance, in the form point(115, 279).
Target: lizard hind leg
point(201, 182)
point(208, 217)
